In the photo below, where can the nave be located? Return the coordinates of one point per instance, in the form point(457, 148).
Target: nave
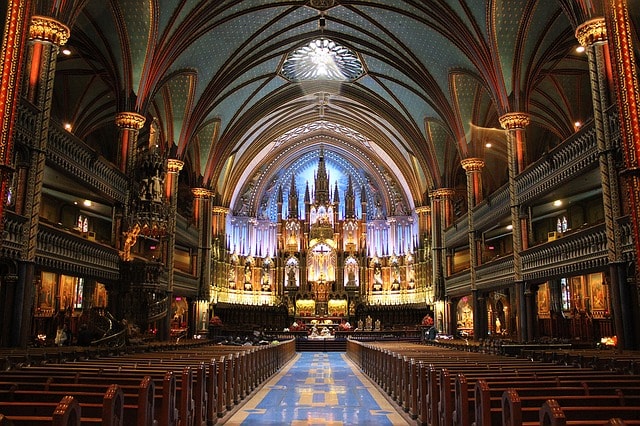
point(318, 388)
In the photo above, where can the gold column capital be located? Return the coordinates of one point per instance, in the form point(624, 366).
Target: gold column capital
point(591, 32)
point(201, 192)
point(514, 120)
point(423, 210)
point(43, 28)
point(130, 120)
point(174, 165)
point(472, 164)
point(220, 210)
point(442, 193)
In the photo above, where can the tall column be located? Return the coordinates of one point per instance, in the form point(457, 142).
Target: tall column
point(203, 218)
point(12, 63)
point(220, 254)
point(46, 35)
point(441, 218)
point(473, 168)
point(593, 36)
point(171, 191)
point(422, 265)
point(628, 93)
point(514, 123)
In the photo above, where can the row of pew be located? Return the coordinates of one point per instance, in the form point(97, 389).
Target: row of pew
point(184, 387)
point(443, 387)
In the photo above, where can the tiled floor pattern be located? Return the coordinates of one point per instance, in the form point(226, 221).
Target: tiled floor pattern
point(319, 388)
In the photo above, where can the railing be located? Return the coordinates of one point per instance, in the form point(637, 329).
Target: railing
point(497, 273)
point(396, 297)
point(72, 155)
point(241, 297)
point(158, 310)
point(64, 250)
point(581, 250)
point(13, 231)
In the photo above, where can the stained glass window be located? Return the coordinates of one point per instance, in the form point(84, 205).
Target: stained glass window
point(322, 59)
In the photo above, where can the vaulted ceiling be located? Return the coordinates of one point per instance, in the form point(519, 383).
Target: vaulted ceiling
point(437, 75)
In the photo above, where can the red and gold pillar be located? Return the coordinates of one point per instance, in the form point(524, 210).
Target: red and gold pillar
point(473, 168)
point(12, 57)
point(515, 123)
point(625, 75)
point(171, 192)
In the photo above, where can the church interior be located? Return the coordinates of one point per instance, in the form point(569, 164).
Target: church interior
point(202, 169)
point(196, 193)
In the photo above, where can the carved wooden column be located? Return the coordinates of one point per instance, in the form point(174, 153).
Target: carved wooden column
point(46, 35)
point(515, 123)
point(593, 36)
point(473, 168)
point(625, 74)
point(171, 191)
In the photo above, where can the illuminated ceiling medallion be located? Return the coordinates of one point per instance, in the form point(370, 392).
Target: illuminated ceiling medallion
point(322, 59)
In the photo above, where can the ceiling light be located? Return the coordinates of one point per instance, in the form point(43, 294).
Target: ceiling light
point(580, 49)
point(66, 51)
point(577, 124)
point(509, 227)
point(67, 127)
point(487, 145)
point(87, 203)
point(557, 203)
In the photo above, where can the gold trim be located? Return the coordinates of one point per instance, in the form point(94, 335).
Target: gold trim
point(220, 210)
point(130, 120)
point(423, 209)
point(472, 164)
point(591, 32)
point(442, 193)
point(201, 192)
point(514, 120)
point(43, 28)
point(174, 165)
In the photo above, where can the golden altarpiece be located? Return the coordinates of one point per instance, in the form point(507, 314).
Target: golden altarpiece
point(342, 253)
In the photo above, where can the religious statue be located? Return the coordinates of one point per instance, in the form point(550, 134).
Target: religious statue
point(291, 276)
point(369, 323)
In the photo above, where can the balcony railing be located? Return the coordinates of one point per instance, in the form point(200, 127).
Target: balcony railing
point(64, 250)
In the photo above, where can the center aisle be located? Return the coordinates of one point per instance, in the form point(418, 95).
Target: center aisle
point(318, 388)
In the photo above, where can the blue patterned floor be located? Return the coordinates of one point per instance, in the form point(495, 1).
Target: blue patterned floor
point(319, 388)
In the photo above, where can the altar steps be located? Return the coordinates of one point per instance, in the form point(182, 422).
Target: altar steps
point(321, 345)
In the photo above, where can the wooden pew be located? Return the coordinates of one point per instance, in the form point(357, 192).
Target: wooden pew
point(67, 412)
point(552, 414)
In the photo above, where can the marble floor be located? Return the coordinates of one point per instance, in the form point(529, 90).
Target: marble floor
point(318, 388)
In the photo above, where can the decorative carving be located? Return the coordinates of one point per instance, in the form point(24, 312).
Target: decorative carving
point(48, 29)
point(442, 193)
point(130, 120)
point(591, 32)
point(201, 192)
point(514, 120)
point(472, 164)
point(174, 165)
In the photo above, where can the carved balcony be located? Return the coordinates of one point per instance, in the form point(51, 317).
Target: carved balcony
point(61, 249)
